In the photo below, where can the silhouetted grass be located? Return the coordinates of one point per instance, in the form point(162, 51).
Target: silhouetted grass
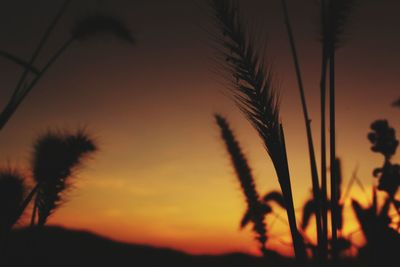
point(12, 192)
point(55, 157)
point(313, 164)
point(255, 208)
point(255, 94)
point(337, 15)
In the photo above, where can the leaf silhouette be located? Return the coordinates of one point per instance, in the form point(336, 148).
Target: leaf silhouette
point(308, 211)
point(276, 197)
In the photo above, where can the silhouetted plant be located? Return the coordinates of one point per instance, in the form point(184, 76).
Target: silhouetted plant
point(383, 139)
point(86, 28)
point(12, 193)
point(255, 94)
point(313, 165)
point(309, 210)
point(55, 157)
point(382, 241)
point(335, 19)
point(256, 210)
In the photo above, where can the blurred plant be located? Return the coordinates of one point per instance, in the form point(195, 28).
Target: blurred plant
point(84, 29)
point(383, 139)
point(381, 248)
point(55, 158)
point(12, 193)
point(396, 103)
point(309, 210)
point(256, 209)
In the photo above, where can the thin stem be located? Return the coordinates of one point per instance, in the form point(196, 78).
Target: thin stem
point(15, 98)
point(23, 206)
point(12, 106)
point(307, 120)
point(334, 182)
point(298, 244)
point(324, 197)
point(19, 61)
point(40, 46)
point(34, 212)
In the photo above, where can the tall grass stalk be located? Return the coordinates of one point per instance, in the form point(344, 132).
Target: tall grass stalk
point(255, 209)
point(307, 120)
point(337, 15)
point(255, 94)
point(324, 186)
point(334, 182)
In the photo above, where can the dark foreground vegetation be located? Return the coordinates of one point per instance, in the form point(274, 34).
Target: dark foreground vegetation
point(54, 246)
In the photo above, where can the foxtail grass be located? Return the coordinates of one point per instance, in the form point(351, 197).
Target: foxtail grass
point(255, 208)
point(255, 94)
point(55, 157)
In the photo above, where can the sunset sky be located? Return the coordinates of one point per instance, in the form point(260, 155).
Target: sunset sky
point(162, 175)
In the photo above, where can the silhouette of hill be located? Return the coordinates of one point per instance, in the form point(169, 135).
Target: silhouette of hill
point(55, 246)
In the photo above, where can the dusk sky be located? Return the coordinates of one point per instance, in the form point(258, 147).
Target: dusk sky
point(162, 175)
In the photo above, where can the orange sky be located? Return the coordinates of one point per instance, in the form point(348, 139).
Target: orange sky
point(162, 175)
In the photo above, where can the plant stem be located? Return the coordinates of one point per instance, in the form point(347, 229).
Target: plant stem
point(24, 204)
point(40, 46)
point(15, 98)
point(298, 244)
point(324, 197)
point(18, 61)
point(13, 105)
point(34, 212)
point(334, 182)
point(307, 120)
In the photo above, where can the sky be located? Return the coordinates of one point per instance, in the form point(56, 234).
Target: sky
point(162, 175)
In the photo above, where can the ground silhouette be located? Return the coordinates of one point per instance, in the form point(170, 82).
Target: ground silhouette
point(55, 246)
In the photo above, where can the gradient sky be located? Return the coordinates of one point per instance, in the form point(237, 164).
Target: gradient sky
point(162, 175)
